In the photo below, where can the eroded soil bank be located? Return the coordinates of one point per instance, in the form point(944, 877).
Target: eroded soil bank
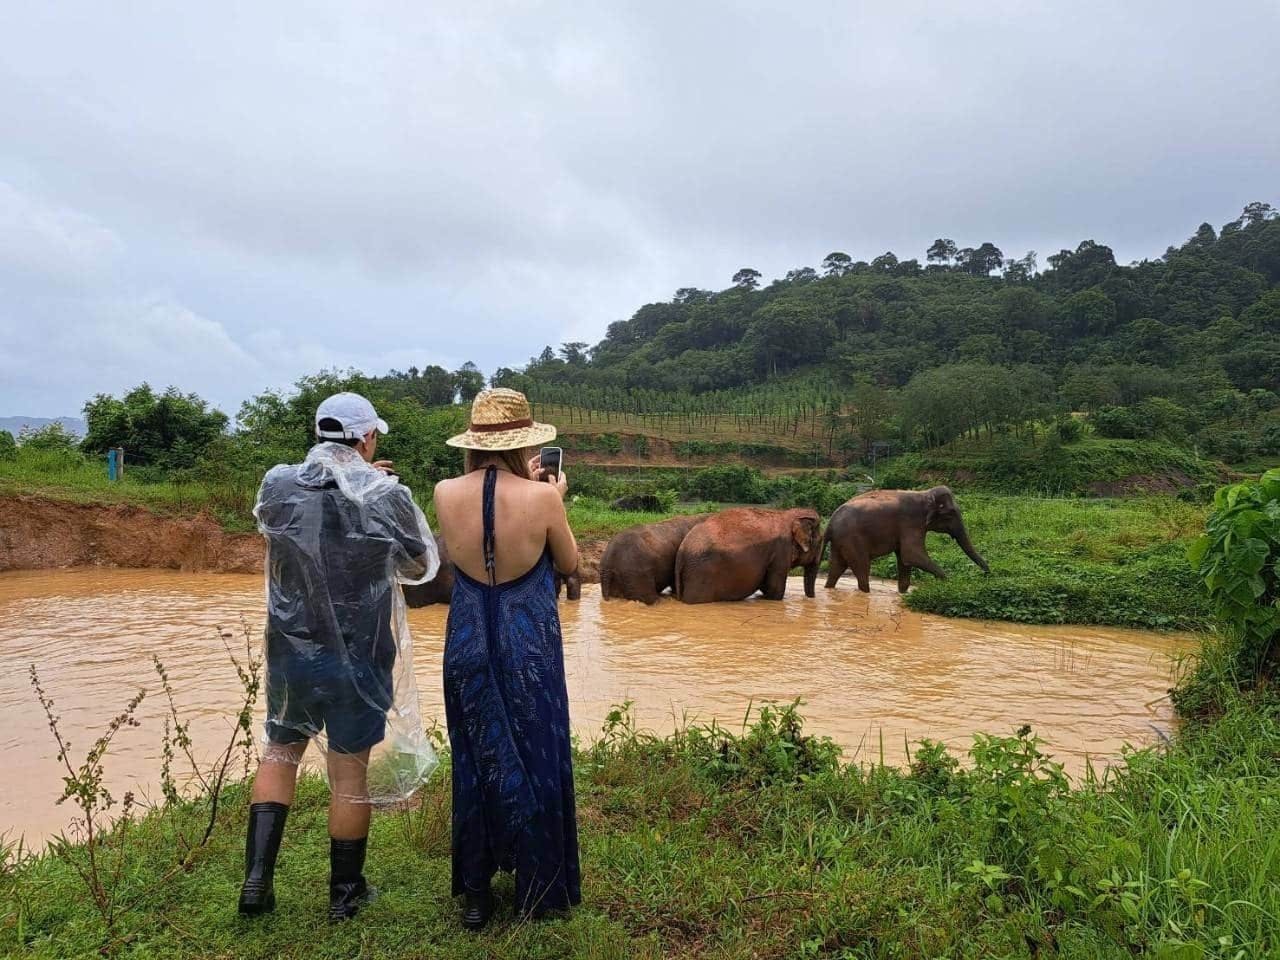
point(38, 533)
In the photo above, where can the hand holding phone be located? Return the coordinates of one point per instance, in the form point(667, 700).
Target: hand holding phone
point(549, 461)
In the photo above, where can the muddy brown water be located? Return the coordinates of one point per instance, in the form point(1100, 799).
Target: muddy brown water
point(873, 674)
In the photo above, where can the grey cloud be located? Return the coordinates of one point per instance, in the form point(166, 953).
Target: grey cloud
point(469, 181)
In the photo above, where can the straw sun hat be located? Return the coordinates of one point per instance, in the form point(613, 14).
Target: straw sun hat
point(501, 420)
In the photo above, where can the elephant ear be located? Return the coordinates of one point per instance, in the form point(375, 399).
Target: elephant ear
point(932, 507)
point(803, 533)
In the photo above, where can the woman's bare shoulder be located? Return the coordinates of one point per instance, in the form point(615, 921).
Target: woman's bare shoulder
point(448, 489)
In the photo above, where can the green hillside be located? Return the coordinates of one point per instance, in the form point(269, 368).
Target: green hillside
point(1182, 348)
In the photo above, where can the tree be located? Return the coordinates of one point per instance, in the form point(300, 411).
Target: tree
point(169, 430)
point(801, 275)
point(1089, 390)
point(687, 295)
point(786, 334)
point(1090, 312)
point(941, 252)
point(1204, 237)
point(747, 278)
point(1022, 270)
point(885, 263)
point(836, 264)
point(468, 381)
point(8, 446)
point(1256, 213)
point(982, 261)
point(872, 408)
point(574, 352)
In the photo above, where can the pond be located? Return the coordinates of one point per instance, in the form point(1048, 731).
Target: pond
point(874, 675)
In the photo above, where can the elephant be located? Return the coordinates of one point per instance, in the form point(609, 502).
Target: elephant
point(439, 589)
point(881, 522)
point(572, 584)
point(639, 563)
point(436, 590)
point(734, 553)
point(639, 503)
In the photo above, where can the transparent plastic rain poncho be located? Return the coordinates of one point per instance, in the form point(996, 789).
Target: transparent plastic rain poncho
point(341, 538)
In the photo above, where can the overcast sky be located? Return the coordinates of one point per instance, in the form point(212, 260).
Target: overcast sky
point(226, 196)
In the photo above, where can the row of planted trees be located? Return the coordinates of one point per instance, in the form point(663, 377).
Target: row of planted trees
point(940, 405)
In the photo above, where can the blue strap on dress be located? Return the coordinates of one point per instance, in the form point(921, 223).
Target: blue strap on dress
point(507, 709)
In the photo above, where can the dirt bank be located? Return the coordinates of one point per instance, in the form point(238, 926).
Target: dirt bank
point(37, 533)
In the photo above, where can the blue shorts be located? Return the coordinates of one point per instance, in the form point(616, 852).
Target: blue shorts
point(310, 694)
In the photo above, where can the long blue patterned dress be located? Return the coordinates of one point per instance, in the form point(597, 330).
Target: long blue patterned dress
point(508, 713)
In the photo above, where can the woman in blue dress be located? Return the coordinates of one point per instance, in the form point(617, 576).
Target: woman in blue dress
point(504, 686)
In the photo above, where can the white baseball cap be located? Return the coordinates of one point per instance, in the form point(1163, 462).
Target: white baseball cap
point(353, 412)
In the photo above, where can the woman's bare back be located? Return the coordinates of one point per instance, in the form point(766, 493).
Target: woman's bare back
point(529, 517)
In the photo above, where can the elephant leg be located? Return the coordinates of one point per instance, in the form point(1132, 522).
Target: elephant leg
point(915, 555)
point(904, 574)
point(775, 576)
point(862, 570)
point(835, 567)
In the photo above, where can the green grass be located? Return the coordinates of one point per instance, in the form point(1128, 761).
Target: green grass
point(71, 477)
point(1120, 562)
point(762, 845)
point(1082, 467)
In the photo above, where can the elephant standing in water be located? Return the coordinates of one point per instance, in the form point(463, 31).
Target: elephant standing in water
point(439, 589)
point(639, 563)
point(881, 522)
point(736, 552)
point(436, 590)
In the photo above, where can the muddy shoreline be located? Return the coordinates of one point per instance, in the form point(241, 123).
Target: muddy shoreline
point(40, 533)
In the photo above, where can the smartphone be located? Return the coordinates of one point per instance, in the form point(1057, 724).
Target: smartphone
point(550, 459)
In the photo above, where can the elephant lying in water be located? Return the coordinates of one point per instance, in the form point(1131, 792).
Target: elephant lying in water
point(736, 552)
point(639, 563)
point(440, 588)
point(881, 522)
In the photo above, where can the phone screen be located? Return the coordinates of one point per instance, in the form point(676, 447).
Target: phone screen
point(550, 459)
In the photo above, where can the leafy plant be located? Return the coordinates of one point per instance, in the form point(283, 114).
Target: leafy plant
point(1238, 561)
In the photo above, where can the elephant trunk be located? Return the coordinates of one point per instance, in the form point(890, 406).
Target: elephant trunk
point(961, 536)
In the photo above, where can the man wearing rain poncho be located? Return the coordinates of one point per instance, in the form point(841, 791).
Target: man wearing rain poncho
point(342, 534)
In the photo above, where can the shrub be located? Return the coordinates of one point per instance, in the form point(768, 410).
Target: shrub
point(51, 438)
point(729, 483)
point(167, 430)
point(8, 446)
point(1068, 429)
point(899, 474)
point(1238, 560)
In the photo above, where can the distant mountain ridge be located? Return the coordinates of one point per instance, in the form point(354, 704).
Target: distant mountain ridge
point(16, 425)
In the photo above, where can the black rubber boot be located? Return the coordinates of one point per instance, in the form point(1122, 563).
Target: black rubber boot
point(348, 891)
point(262, 843)
point(477, 908)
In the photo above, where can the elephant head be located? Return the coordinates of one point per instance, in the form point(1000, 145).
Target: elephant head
point(806, 546)
point(943, 516)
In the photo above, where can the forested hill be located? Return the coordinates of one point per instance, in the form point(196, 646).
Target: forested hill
point(1207, 311)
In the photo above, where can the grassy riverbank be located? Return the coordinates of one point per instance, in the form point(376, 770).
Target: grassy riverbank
point(1119, 562)
point(707, 844)
point(1101, 561)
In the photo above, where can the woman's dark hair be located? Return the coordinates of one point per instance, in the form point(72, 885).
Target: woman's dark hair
point(517, 461)
point(330, 424)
